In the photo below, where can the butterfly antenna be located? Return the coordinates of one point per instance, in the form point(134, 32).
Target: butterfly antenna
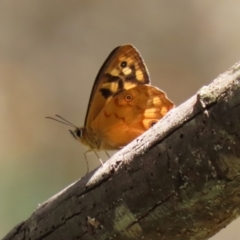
point(66, 122)
point(70, 124)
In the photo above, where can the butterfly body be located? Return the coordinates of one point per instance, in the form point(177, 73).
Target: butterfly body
point(122, 104)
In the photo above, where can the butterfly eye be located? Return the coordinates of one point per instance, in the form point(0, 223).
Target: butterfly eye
point(78, 133)
point(152, 123)
point(123, 64)
point(128, 98)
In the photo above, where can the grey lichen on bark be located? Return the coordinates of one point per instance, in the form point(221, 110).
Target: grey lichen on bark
point(179, 180)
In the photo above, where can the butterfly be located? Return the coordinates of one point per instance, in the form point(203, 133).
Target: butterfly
point(122, 104)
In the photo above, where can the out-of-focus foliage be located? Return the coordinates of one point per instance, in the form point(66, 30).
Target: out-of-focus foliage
point(50, 53)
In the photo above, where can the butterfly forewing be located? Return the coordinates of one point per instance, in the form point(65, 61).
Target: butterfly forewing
point(123, 69)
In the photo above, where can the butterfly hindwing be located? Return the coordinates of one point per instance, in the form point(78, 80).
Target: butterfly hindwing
point(129, 114)
point(122, 70)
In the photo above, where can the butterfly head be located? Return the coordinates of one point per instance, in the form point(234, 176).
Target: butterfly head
point(83, 136)
point(78, 133)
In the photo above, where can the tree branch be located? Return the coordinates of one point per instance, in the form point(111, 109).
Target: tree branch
point(179, 180)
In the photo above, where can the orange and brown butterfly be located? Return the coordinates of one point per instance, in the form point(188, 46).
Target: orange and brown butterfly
point(122, 104)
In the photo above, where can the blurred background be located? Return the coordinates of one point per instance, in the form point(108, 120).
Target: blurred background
point(50, 53)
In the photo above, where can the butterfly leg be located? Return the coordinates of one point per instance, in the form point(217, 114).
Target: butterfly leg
point(107, 154)
point(98, 157)
point(85, 156)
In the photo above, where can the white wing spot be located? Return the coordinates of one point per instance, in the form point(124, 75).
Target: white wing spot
point(127, 71)
point(139, 75)
point(115, 72)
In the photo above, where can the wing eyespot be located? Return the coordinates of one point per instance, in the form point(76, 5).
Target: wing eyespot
point(152, 123)
point(128, 98)
point(123, 64)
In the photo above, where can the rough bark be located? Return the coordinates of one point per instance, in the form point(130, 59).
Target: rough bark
point(179, 180)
